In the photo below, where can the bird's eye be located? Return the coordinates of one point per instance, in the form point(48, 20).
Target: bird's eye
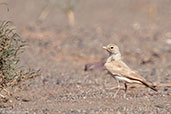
point(111, 47)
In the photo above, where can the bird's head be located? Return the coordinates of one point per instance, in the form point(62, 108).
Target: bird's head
point(112, 49)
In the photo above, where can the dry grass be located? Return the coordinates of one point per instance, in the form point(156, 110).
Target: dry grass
point(10, 48)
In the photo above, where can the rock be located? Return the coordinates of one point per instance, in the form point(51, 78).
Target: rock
point(159, 106)
point(58, 81)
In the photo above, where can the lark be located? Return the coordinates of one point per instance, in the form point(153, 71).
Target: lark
point(121, 72)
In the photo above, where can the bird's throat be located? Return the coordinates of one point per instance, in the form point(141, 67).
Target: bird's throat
point(114, 57)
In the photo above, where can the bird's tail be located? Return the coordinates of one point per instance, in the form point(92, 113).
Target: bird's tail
point(150, 85)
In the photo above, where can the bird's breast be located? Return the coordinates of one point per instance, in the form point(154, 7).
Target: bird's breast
point(109, 66)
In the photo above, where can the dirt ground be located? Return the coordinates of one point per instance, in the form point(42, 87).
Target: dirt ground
point(142, 30)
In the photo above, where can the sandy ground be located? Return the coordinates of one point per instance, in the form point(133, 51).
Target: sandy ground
point(142, 30)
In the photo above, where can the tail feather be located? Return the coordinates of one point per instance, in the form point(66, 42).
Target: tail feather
point(150, 86)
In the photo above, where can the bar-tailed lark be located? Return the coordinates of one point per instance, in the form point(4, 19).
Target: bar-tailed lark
point(120, 71)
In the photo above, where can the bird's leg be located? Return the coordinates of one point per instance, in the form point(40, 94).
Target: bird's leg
point(118, 88)
point(117, 82)
point(125, 89)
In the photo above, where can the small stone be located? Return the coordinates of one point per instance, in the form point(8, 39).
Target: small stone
point(159, 106)
point(58, 81)
point(169, 93)
point(165, 89)
point(45, 111)
point(74, 112)
point(156, 54)
point(45, 80)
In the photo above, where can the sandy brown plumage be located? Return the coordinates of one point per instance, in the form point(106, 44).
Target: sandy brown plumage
point(120, 71)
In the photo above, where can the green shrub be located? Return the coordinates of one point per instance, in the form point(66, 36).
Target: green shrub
point(10, 48)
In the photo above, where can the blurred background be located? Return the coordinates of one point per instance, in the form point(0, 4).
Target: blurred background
point(112, 14)
point(64, 35)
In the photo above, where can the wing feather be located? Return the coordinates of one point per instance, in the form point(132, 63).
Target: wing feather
point(120, 68)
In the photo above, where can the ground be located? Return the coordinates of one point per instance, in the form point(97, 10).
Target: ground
point(140, 28)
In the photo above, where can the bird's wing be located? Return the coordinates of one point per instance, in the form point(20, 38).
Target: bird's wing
point(120, 68)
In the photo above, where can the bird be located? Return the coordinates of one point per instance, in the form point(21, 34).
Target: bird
point(121, 72)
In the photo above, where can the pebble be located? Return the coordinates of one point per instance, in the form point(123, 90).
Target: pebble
point(159, 106)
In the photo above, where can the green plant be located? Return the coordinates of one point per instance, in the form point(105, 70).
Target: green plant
point(11, 46)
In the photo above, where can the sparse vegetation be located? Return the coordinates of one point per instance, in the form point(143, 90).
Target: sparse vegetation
point(11, 46)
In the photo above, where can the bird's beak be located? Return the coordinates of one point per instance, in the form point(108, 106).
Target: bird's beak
point(104, 47)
